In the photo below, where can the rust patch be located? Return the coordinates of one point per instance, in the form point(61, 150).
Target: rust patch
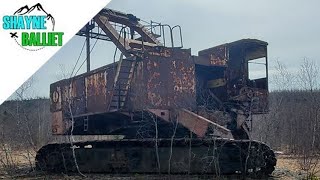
point(58, 126)
point(164, 53)
point(154, 83)
point(96, 92)
point(182, 82)
point(56, 100)
point(78, 96)
point(217, 56)
point(193, 123)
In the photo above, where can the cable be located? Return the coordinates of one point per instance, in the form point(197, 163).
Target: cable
point(89, 53)
point(86, 58)
point(95, 45)
point(74, 67)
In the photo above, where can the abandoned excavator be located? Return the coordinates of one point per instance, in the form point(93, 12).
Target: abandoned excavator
point(165, 110)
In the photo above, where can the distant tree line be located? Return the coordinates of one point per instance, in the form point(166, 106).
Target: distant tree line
point(293, 123)
point(25, 123)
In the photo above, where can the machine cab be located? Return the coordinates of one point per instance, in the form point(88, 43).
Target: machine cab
point(236, 72)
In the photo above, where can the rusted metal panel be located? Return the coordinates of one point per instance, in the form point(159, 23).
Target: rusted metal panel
point(164, 80)
point(88, 93)
point(156, 83)
point(193, 123)
point(199, 125)
point(65, 92)
point(149, 86)
point(137, 95)
point(55, 97)
point(181, 82)
point(96, 92)
point(78, 96)
point(99, 86)
point(217, 56)
point(58, 126)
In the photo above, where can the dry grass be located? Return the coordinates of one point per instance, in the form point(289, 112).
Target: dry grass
point(288, 162)
point(21, 158)
point(287, 168)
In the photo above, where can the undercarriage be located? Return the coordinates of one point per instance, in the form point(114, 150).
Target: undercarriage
point(166, 156)
point(154, 146)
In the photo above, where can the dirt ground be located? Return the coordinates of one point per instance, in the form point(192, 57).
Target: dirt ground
point(287, 168)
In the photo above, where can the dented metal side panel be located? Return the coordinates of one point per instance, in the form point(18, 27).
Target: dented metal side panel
point(164, 81)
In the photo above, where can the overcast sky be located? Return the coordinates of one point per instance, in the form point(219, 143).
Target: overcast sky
point(291, 27)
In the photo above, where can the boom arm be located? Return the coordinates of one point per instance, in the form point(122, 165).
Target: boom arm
point(108, 20)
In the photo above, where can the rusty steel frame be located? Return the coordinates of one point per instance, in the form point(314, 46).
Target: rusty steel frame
point(164, 78)
point(160, 109)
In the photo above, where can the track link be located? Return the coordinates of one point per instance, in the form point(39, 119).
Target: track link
point(180, 156)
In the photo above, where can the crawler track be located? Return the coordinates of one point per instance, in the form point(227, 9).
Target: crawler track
point(204, 156)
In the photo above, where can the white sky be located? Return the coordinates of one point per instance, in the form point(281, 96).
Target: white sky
point(291, 27)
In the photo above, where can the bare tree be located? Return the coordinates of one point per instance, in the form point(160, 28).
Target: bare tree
point(283, 79)
point(292, 124)
point(23, 125)
point(63, 73)
point(308, 75)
